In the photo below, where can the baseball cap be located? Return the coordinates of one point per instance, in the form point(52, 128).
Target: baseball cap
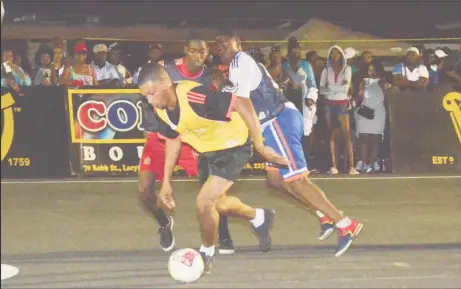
point(115, 46)
point(440, 53)
point(80, 47)
point(100, 48)
point(413, 49)
point(350, 53)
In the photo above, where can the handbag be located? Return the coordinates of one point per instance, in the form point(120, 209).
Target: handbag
point(366, 112)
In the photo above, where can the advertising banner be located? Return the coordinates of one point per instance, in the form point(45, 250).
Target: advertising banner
point(426, 131)
point(34, 133)
point(107, 134)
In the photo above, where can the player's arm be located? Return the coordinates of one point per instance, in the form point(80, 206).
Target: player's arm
point(241, 75)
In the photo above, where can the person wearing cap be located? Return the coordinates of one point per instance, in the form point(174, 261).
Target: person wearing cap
point(411, 74)
point(155, 54)
point(446, 67)
point(106, 73)
point(116, 58)
point(79, 73)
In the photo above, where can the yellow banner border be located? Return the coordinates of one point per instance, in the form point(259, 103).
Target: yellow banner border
point(71, 92)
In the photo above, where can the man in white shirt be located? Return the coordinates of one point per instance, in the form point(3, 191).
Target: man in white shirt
point(106, 73)
point(411, 74)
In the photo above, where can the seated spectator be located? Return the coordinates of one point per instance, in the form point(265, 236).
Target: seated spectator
point(411, 74)
point(79, 73)
point(155, 54)
point(116, 55)
point(335, 82)
point(58, 57)
point(106, 73)
point(43, 73)
point(18, 76)
point(369, 129)
point(447, 67)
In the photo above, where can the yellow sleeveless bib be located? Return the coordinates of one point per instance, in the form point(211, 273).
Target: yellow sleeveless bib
point(204, 135)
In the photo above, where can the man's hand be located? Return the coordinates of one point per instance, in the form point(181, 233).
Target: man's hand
point(270, 155)
point(165, 196)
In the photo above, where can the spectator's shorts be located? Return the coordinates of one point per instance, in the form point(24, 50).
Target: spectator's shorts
point(284, 135)
point(153, 157)
point(336, 108)
point(227, 164)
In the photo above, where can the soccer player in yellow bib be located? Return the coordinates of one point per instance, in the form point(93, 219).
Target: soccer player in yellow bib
point(214, 124)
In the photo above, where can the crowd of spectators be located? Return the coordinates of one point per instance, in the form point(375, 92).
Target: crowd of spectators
point(349, 116)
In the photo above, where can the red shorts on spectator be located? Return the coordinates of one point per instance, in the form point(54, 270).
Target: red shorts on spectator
point(153, 157)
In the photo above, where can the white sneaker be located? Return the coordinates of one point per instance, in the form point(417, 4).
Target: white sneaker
point(333, 171)
point(376, 167)
point(359, 166)
point(353, 171)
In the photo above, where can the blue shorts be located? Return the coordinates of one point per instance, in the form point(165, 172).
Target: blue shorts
point(335, 109)
point(284, 135)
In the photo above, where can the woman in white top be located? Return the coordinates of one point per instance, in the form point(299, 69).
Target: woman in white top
point(370, 130)
point(335, 82)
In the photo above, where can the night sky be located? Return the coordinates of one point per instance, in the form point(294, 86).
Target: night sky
point(376, 15)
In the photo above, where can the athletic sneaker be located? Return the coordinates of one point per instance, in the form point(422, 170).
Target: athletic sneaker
point(346, 236)
point(353, 171)
point(376, 167)
point(359, 166)
point(264, 231)
point(166, 236)
point(207, 262)
point(226, 247)
point(333, 171)
point(327, 227)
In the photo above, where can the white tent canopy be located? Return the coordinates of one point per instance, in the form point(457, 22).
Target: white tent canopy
point(320, 35)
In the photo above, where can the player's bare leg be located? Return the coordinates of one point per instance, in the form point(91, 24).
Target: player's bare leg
point(326, 224)
point(147, 196)
point(307, 192)
point(212, 201)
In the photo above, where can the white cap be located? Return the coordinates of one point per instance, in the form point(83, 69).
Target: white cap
point(350, 53)
point(413, 49)
point(440, 53)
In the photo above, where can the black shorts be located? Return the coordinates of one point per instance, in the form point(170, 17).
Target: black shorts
point(226, 164)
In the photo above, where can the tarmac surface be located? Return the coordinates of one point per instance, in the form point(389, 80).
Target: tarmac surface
point(95, 235)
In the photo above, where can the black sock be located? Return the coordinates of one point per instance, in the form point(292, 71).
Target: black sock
point(223, 228)
point(161, 218)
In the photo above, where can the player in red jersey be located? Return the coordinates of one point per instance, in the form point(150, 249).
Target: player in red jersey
point(151, 167)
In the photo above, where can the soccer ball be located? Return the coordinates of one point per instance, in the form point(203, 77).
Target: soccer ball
point(185, 265)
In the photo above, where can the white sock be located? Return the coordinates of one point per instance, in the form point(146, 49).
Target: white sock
point(319, 214)
point(209, 251)
point(259, 218)
point(344, 223)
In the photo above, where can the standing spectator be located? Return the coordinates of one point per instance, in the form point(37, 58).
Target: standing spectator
point(370, 118)
point(311, 56)
point(79, 73)
point(334, 85)
point(318, 66)
point(106, 73)
point(20, 77)
point(116, 55)
point(43, 73)
point(155, 54)
point(275, 68)
point(411, 74)
point(291, 67)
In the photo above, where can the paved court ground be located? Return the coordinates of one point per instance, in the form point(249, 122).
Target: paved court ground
point(95, 235)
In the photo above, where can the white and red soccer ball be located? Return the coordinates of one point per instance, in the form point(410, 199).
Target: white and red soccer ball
point(185, 265)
